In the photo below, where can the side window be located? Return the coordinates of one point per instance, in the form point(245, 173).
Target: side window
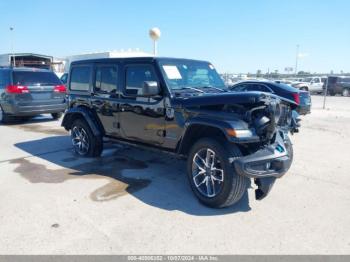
point(136, 75)
point(241, 88)
point(80, 78)
point(316, 80)
point(106, 78)
point(64, 78)
point(4, 78)
point(257, 87)
point(263, 88)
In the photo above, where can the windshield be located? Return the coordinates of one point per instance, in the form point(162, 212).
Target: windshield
point(182, 74)
point(35, 78)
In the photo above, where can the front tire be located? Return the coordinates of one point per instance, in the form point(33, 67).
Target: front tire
point(289, 147)
point(211, 175)
point(85, 143)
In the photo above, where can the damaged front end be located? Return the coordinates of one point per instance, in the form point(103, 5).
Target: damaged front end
point(272, 156)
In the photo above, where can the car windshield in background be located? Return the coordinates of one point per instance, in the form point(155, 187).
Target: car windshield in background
point(191, 74)
point(27, 78)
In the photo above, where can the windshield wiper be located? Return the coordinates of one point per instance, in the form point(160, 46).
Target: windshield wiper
point(213, 87)
point(189, 87)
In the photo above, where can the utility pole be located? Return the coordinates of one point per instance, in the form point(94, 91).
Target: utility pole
point(12, 49)
point(296, 61)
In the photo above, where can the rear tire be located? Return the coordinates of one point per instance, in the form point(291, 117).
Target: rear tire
point(56, 116)
point(345, 92)
point(4, 118)
point(85, 143)
point(215, 184)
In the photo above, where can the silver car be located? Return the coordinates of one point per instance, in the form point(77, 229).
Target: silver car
point(26, 92)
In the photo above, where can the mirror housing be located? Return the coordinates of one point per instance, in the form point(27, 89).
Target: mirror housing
point(150, 88)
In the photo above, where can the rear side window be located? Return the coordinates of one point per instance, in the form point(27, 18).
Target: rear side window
point(106, 79)
point(256, 87)
point(344, 80)
point(27, 78)
point(80, 78)
point(4, 78)
point(64, 78)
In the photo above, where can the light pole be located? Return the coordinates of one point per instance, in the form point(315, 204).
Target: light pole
point(296, 61)
point(12, 50)
point(154, 34)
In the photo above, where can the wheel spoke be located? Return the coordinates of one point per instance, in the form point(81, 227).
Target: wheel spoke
point(201, 183)
point(200, 173)
point(213, 184)
point(201, 159)
point(218, 174)
point(209, 189)
point(208, 157)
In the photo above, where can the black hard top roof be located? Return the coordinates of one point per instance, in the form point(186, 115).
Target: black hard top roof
point(131, 59)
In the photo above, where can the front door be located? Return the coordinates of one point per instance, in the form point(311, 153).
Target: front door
point(316, 85)
point(142, 119)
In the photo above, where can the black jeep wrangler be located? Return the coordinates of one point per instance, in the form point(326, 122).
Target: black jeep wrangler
point(181, 106)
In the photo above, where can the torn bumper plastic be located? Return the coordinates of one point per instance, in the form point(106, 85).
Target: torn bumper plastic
point(271, 161)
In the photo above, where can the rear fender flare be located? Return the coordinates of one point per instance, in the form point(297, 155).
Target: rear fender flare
point(86, 114)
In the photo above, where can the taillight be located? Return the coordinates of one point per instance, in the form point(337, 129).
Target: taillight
point(296, 98)
point(60, 89)
point(16, 89)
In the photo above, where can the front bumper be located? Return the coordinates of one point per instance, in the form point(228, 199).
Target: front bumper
point(271, 161)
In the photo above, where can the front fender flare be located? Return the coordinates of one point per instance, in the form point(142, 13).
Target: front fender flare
point(221, 125)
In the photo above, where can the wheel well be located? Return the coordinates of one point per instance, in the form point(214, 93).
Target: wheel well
point(196, 132)
point(92, 120)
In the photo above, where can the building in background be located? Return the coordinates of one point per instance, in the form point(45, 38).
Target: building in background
point(106, 54)
point(26, 60)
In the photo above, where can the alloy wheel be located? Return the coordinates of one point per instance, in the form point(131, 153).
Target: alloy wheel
point(80, 140)
point(207, 172)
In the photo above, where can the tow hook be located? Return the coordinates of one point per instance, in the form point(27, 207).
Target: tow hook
point(264, 186)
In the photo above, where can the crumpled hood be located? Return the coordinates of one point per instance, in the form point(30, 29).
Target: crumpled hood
point(224, 98)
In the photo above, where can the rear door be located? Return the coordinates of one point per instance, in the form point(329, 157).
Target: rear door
point(104, 98)
point(43, 87)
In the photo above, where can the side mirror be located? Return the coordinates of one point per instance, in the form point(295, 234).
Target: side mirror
point(150, 88)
